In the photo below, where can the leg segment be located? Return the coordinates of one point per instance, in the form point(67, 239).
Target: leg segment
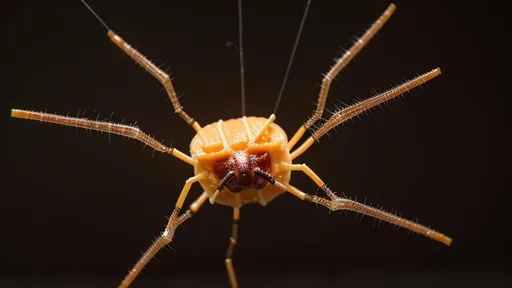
point(304, 168)
point(158, 74)
point(113, 128)
point(165, 238)
point(340, 64)
point(232, 242)
point(194, 207)
point(345, 114)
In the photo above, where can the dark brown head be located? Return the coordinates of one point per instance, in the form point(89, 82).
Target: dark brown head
point(243, 165)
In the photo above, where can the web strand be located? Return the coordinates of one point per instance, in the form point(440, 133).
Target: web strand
point(292, 56)
point(96, 15)
point(241, 53)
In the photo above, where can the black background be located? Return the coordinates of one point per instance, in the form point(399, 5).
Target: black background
point(79, 207)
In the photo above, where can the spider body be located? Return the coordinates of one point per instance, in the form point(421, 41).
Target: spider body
point(248, 159)
point(241, 145)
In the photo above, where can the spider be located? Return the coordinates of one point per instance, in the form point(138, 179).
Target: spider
point(248, 159)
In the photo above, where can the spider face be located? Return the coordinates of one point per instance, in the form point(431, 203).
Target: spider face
point(238, 153)
point(243, 164)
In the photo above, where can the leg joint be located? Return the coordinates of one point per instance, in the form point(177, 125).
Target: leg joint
point(167, 236)
point(166, 80)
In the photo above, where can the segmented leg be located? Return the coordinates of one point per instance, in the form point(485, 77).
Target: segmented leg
point(158, 74)
point(174, 221)
point(345, 114)
point(338, 203)
point(109, 127)
point(232, 242)
point(340, 64)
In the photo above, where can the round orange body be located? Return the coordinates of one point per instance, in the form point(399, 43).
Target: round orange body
point(221, 140)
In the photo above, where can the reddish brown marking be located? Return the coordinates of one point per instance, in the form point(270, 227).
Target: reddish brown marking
point(243, 164)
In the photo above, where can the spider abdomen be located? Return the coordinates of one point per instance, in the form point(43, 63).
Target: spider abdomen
point(237, 145)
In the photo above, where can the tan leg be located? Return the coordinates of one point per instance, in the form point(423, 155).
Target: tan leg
point(338, 203)
point(158, 74)
point(232, 242)
point(335, 70)
point(165, 238)
point(345, 114)
point(148, 66)
point(113, 128)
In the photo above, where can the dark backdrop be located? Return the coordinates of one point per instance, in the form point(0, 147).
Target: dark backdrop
point(79, 207)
